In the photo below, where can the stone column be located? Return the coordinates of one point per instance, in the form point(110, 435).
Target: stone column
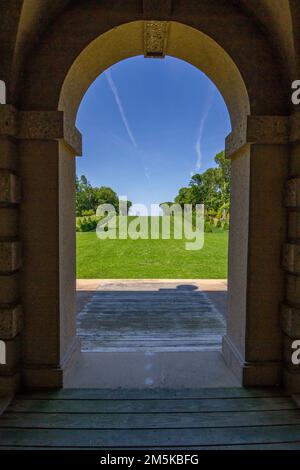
point(46, 146)
point(290, 310)
point(11, 317)
point(253, 346)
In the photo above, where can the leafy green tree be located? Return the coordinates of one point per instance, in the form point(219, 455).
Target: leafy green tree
point(84, 199)
point(211, 188)
point(88, 198)
point(104, 195)
point(184, 196)
point(224, 166)
point(163, 205)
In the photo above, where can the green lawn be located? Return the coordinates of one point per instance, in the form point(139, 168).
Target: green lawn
point(158, 259)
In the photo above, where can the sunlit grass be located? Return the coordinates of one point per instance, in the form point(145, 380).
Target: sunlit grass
point(142, 259)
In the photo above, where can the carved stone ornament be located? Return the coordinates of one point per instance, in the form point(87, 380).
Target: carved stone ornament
point(155, 38)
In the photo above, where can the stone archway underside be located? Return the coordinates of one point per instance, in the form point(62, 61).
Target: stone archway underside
point(39, 142)
point(155, 39)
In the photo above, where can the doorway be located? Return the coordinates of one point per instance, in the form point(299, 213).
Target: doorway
point(252, 346)
point(152, 304)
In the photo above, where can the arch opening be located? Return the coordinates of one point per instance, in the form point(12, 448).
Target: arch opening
point(152, 145)
point(128, 41)
point(183, 42)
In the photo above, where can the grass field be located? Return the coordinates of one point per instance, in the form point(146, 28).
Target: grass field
point(144, 259)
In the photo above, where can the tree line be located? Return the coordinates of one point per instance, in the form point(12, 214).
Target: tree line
point(211, 188)
point(88, 198)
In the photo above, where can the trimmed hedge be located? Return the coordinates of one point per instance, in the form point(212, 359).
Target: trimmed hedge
point(87, 224)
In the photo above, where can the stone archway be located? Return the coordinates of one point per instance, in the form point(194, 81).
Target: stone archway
point(58, 74)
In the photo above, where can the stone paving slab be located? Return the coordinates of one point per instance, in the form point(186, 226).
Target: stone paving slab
point(154, 315)
point(204, 284)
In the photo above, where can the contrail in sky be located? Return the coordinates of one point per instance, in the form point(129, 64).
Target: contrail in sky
point(115, 92)
point(201, 129)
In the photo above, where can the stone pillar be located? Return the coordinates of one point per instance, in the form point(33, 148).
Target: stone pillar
point(290, 309)
point(259, 154)
point(46, 146)
point(11, 317)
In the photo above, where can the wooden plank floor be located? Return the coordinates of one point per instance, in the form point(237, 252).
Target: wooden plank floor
point(156, 316)
point(226, 418)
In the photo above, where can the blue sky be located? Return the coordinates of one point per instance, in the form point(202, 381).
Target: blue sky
point(148, 125)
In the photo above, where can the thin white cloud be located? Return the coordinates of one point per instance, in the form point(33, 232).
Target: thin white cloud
point(120, 106)
point(198, 145)
point(115, 92)
point(146, 171)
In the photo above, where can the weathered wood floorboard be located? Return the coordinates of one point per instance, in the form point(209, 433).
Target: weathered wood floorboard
point(149, 438)
point(154, 394)
point(149, 406)
point(152, 419)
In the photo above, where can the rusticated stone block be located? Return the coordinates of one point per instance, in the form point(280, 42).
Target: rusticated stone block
point(8, 221)
point(10, 256)
point(295, 127)
point(290, 321)
point(8, 120)
point(294, 225)
point(291, 258)
point(9, 288)
point(9, 188)
point(293, 289)
point(8, 153)
point(10, 321)
point(292, 195)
